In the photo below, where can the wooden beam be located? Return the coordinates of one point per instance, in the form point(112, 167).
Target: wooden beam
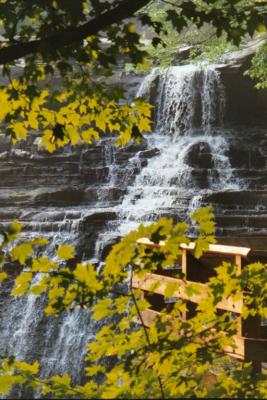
point(221, 249)
point(213, 248)
point(150, 244)
point(162, 282)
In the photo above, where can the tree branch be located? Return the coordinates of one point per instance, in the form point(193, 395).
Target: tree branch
point(72, 34)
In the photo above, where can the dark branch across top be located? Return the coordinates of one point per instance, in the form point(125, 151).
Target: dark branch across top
point(72, 34)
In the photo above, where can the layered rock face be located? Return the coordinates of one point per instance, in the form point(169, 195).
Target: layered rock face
point(217, 121)
point(209, 147)
point(58, 195)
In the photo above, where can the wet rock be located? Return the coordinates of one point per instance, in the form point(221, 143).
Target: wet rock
point(246, 106)
point(237, 199)
point(98, 217)
point(200, 156)
point(90, 228)
point(200, 178)
point(106, 247)
point(239, 158)
point(149, 153)
point(60, 197)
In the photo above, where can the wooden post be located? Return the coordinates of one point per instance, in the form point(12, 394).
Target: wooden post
point(184, 262)
point(251, 328)
point(238, 263)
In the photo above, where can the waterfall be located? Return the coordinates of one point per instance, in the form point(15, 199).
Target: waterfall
point(190, 115)
point(189, 159)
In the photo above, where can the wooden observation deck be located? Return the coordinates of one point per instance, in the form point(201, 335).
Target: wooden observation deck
point(251, 337)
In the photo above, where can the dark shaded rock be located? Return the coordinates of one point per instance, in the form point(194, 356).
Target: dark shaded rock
point(237, 198)
point(107, 246)
point(263, 148)
point(60, 197)
point(99, 217)
point(257, 244)
point(246, 106)
point(200, 178)
point(199, 156)
point(239, 158)
point(90, 227)
point(257, 160)
point(149, 153)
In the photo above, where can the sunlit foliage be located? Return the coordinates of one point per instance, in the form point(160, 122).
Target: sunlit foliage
point(172, 358)
point(258, 70)
point(68, 49)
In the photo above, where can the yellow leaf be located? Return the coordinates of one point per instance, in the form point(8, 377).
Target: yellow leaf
point(94, 54)
point(171, 289)
point(62, 380)
point(41, 241)
point(65, 252)
point(73, 135)
point(21, 252)
point(7, 381)
point(46, 141)
point(102, 309)
point(49, 116)
point(42, 264)
point(38, 289)
point(144, 125)
point(92, 103)
point(89, 135)
point(4, 101)
point(143, 108)
point(16, 226)
point(3, 276)
point(83, 109)
point(70, 295)
point(25, 367)
point(22, 284)
point(19, 130)
point(32, 120)
point(100, 122)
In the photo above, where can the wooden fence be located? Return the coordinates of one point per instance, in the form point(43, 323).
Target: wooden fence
point(251, 337)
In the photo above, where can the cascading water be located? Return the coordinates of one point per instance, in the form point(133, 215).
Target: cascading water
point(188, 138)
point(189, 112)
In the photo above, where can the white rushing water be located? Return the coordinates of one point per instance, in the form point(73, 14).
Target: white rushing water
point(190, 111)
point(189, 115)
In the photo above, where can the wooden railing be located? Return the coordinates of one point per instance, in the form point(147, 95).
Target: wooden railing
point(251, 338)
